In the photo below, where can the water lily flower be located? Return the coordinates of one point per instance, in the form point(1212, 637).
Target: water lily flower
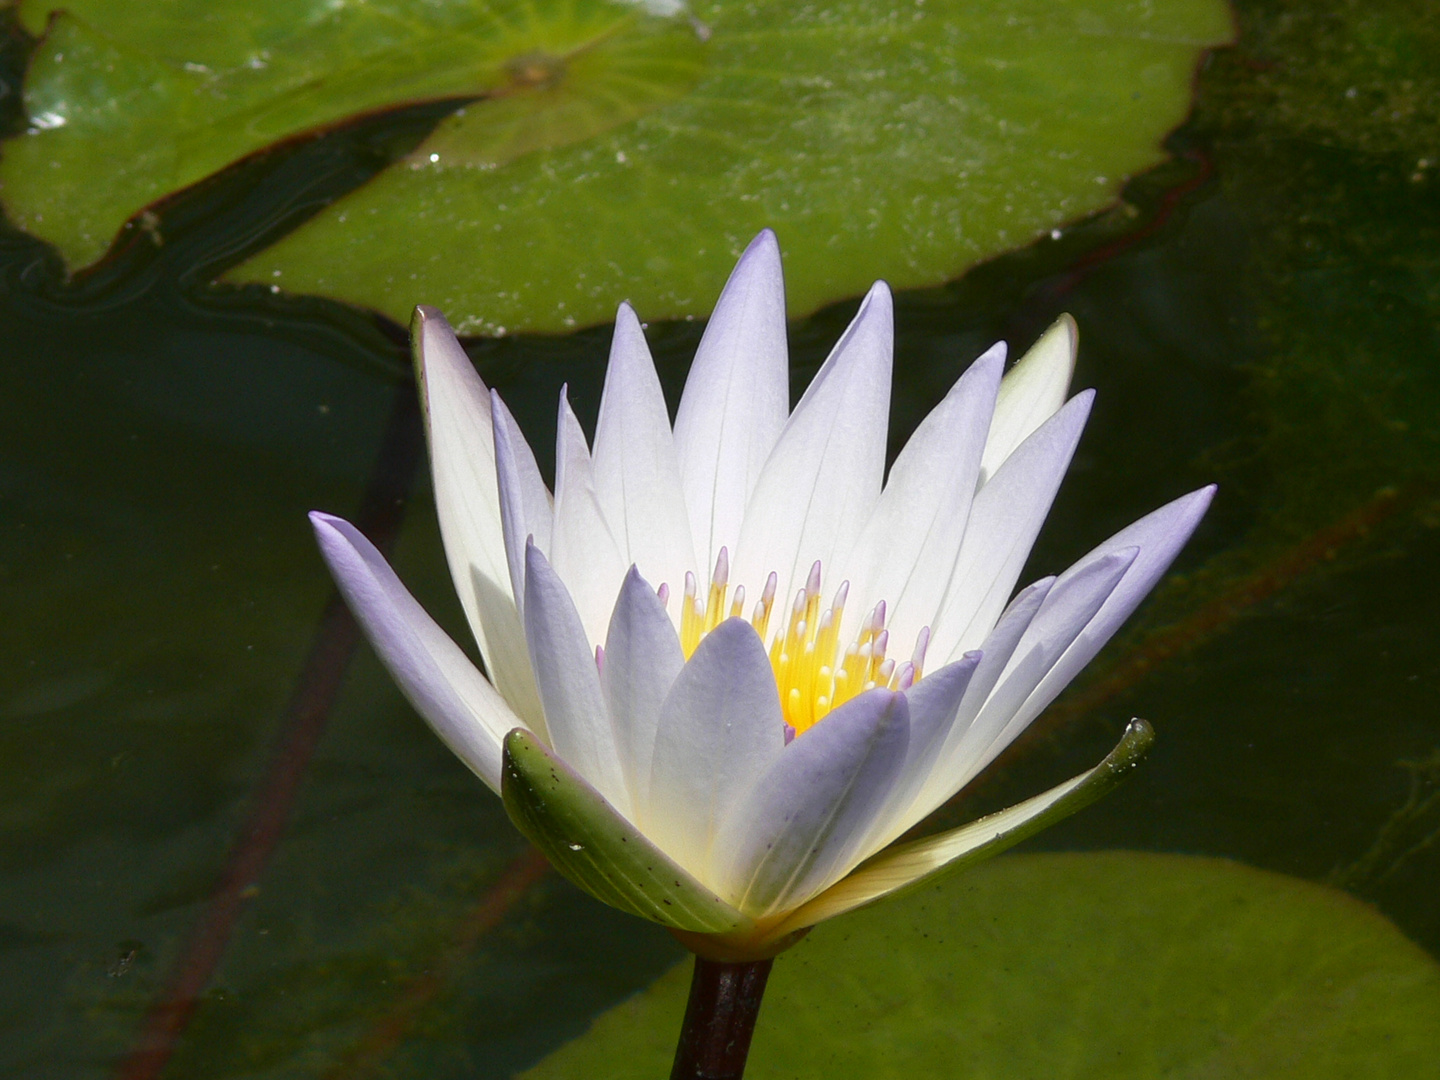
point(730, 662)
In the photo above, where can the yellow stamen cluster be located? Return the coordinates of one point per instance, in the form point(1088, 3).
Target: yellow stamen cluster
point(812, 674)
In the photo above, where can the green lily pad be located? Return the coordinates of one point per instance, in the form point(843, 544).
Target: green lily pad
point(614, 152)
point(1108, 965)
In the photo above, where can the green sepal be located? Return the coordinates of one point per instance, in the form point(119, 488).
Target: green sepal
point(591, 844)
point(904, 867)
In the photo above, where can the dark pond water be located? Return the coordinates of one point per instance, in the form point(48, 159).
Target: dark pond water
point(179, 731)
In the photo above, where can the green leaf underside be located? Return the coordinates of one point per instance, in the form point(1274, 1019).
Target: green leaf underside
point(1109, 966)
point(625, 155)
point(903, 868)
point(597, 849)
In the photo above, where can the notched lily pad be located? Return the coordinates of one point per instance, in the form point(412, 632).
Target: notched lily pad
point(1107, 966)
point(617, 149)
point(600, 851)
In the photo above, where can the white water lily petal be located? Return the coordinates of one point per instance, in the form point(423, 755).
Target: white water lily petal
point(641, 661)
point(456, 405)
point(720, 730)
point(1031, 392)
point(807, 816)
point(736, 399)
point(569, 682)
point(1004, 521)
point(908, 549)
point(995, 655)
point(583, 548)
point(436, 677)
point(823, 476)
point(526, 509)
point(1071, 604)
point(637, 479)
point(934, 704)
point(1157, 539)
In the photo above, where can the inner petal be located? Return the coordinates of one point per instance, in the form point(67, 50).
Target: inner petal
point(815, 672)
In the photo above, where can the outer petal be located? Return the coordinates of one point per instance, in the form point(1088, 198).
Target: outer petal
point(909, 547)
point(736, 399)
point(1158, 538)
point(642, 660)
point(1072, 603)
point(805, 819)
point(569, 682)
point(910, 865)
point(462, 461)
point(821, 480)
point(437, 678)
point(526, 509)
point(1031, 393)
point(583, 548)
point(720, 730)
point(1004, 522)
point(637, 480)
point(934, 704)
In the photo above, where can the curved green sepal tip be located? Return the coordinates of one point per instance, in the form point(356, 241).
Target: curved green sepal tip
point(904, 867)
point(592, 845)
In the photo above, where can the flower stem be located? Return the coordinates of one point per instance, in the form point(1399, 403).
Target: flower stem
point(719, 1019)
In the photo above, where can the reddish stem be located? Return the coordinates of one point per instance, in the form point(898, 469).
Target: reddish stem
point(720, 1019)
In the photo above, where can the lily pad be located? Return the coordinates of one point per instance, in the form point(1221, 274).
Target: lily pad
point(1107, 965)
point(616, 149)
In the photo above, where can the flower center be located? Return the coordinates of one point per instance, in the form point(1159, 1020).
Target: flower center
point(812, 672)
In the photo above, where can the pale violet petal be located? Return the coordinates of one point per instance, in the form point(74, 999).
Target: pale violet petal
point(641, 661)
point(526, 509)
point(934, 704)
point(569, 682)
point(583, 550)
point(806, 817)
point(909, 547)
point(1004, 520)
point(438, 679)
point(822, 478)
point(1157, 538)
point(637, 479)
point(736, 399)
point(1070, 605)
point(995, 655)
point(720, 730)
point(1031, 392)
point(456, 405)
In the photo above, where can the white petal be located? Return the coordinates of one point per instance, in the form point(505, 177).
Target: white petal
point(736, 399)
point(802, 826)
point(1158, 536)
point(641, 661)
point(823, 477)
point(909, 548)
point(720, 730)
point(1031, 392)
point(1004, 521)
point(445, 688)
point(934, 704)
point(569, 682)
point(526, 508)
point(1070, 605)
point(583, 550)
point(462, 461)
point(995, 655)
point(637, 479)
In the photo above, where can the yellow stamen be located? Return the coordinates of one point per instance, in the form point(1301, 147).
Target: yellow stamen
point(812, 672)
